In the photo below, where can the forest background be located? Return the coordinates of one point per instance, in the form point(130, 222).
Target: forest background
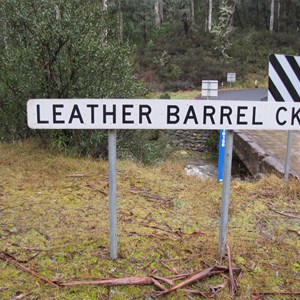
point(128, 48)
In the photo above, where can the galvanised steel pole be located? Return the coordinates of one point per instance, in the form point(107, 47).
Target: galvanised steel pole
point(288, 156)
point(112, 159)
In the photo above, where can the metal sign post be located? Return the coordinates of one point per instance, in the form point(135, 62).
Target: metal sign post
point(225, 192)
point(288, 156)
point(112, 158)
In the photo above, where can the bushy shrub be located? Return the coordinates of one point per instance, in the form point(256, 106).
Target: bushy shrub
point(66, 50)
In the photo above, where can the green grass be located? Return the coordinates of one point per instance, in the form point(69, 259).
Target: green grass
point(57, 224)
point(190, 94)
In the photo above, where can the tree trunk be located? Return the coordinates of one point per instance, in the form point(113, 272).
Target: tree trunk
point(239, 17)
point(120, 21)
point(278, 15)
point(209, 19)
point(57, 12)
point(193, 10)
point(104, 4)
point(230, 20)
point(156, 12)
point(4, 30)
point(272, 16)
point(104, 7)
point(186, 24)
point(145, 29)
point(121, 26)
point(161, 12)
point(257, 13)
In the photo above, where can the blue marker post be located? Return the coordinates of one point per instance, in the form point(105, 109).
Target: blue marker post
point(221, 158)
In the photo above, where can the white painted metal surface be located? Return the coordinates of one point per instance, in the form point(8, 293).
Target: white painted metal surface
point(161, 114)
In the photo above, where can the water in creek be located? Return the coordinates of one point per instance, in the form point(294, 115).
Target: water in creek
point(200, 165)
point(205, 167)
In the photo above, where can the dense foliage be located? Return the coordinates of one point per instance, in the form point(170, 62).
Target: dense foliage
point(173, 61)
point(240, 40)
point(64, 50)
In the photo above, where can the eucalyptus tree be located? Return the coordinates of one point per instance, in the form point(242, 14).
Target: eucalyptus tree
point(209, 19)
point(272, 12)
point(222, 27)
point(159, 13)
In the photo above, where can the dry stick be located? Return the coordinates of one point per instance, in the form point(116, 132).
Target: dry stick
point(180, 276)
point(224, 268)
point(198, 276)
point(25, 269)
point(295, 231)
point(232, 286)
point(111, 281)
point(22, 296)
point(166, 280)
point(127, 280)
point(197, 292)
point(78, 175)
point(283, 213)
point(106, 282)
point(259, 295)
point(195, 277)
point(169, 268)
point(158, 284)
point(218, 268)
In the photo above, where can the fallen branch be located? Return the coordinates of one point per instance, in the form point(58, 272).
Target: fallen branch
point(232, 282)
point(257, 296)
point(77, 175)
point(193, 278)
point(217, 288)
point(19, 260)
point(111, 282)
point(97, 190)
point(166, 280)
point(295, 231)
point(135, 280)
point(150, 197)
point(158, 285)
point(283, 213)
point(19, 266)
point(21, 296)
point(169, 268)
point(197, 292)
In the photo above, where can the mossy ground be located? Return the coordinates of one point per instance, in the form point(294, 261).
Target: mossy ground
point(58, 225)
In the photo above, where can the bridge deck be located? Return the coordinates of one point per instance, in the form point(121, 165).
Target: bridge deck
point(265, 151)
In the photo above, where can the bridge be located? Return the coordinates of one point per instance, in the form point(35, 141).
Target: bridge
point(262, 151)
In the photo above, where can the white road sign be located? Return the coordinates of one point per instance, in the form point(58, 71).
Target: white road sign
point(161, 114)
point(210, 88)
point(231, 77)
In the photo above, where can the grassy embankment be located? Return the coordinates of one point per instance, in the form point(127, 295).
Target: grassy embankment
point(56, 222)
